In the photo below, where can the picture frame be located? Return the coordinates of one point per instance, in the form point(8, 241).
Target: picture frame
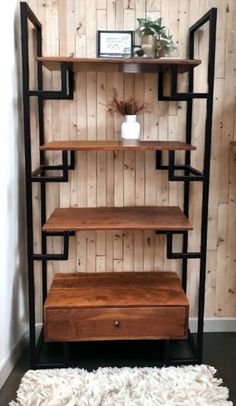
point(115, 44)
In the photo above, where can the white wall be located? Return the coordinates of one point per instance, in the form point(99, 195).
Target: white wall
point(13, 275)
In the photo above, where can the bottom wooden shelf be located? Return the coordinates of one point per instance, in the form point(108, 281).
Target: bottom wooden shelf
point(116, 306)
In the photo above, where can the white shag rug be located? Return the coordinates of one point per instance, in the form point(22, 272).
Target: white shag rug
point(172, 386)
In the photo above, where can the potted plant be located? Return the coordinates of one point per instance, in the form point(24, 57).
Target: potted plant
point(164, 43)
point(154, 38)
point(130, 128)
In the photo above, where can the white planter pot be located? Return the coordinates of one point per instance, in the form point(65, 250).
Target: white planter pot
point(130, 128)
point(148, 45)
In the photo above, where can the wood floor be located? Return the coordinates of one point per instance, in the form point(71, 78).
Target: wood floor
point(219, 351)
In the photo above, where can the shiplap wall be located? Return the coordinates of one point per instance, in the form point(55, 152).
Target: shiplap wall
point(117, 179)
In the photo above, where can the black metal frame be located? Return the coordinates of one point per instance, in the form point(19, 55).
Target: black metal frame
point(190, 174)
point(40, 175)
point(67, 86)
point(66, 92)
point(56, 257)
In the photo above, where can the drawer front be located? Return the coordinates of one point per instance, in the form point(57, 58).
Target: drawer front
point(116, 324)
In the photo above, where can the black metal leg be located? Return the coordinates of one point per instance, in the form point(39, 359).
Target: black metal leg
point(210, 17)
point(66, 354)
point(166, 352)
point(66, 92)
point(25, 15)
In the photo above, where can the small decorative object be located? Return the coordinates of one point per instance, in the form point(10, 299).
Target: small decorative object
point(117, 44)
point(138, 51)
point(130, 128)
point(155, 38)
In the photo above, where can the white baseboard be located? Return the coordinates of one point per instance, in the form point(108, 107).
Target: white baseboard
point(7, 365)
point(214, 324)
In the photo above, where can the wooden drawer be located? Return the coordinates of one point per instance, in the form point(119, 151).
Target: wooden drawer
point(116, 306)
point(115, 324)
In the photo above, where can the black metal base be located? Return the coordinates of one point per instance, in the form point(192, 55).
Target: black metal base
point(138, 353)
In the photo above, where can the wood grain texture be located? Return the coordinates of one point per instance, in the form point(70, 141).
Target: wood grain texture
point(91, 325)
point(117, 64)
point(115, 306)
point(116, 146)
point(65, 32)
point(116, 218)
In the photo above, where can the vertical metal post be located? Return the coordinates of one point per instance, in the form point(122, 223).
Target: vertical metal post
point(188, 138)
point(173, 87)
point(206, 171)
point(210, 17)
point(27, 14)
point(27, 144)
point(171, 171)
point(42, 160)
point(166, 355)
point(66, 354)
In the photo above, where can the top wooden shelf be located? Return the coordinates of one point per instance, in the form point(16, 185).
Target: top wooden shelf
point(116, 146)
point(126, 65)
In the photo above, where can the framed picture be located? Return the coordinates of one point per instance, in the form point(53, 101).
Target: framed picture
point(116, 44)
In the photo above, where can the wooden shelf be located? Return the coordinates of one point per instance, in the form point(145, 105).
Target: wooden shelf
point(132, 65)
point(130, 305)
point(118, 218)
point(116, 146)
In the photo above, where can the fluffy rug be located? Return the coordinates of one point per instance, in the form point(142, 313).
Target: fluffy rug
point(172, 386)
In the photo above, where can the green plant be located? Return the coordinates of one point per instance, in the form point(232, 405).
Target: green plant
point(149, 27)
point(127, 107)
point(164, 41)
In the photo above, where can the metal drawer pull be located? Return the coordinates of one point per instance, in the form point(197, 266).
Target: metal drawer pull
point(116, 323)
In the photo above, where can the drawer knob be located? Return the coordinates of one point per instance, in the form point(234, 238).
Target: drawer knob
point(116, 323)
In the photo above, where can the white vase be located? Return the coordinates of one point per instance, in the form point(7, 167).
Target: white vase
point(130, 128)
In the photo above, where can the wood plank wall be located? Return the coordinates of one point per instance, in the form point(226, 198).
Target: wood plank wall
point(123, 179)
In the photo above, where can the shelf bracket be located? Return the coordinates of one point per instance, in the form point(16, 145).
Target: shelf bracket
point(190, 174)
point(174, 94)
point(67, 86)
point(169, 246)
point(38, 175)
point(178, 255)
point(56, 257)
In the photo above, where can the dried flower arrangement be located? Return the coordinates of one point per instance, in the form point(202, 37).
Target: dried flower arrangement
point(127, 107)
